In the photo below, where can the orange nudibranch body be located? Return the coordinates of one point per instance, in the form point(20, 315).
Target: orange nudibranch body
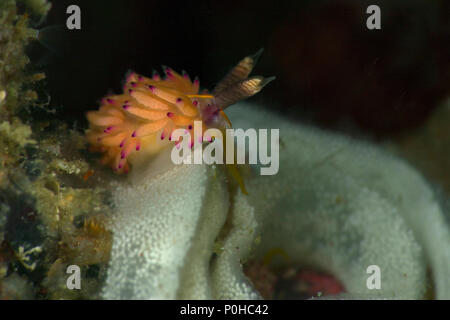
point(145, 115)
point(148, 110)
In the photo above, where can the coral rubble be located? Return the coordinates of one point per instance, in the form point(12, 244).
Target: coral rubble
point(51, 215)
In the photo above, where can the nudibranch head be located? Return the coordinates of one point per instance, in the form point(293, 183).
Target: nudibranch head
point(150, 109)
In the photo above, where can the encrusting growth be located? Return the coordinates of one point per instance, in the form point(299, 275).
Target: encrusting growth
point(150, 109)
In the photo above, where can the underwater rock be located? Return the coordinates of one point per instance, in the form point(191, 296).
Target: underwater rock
point(40, 8)
point(44, 177)
point(337, 205)
point(4, 210)
point(15, 287)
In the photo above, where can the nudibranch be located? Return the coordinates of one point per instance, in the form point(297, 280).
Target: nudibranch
point(150, 109)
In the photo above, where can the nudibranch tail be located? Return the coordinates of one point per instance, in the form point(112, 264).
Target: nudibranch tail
point(145, 115)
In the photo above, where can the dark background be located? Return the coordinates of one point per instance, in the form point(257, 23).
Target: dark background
point(331, 70)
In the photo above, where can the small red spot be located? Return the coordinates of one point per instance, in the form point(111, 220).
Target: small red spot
point(88, 174)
